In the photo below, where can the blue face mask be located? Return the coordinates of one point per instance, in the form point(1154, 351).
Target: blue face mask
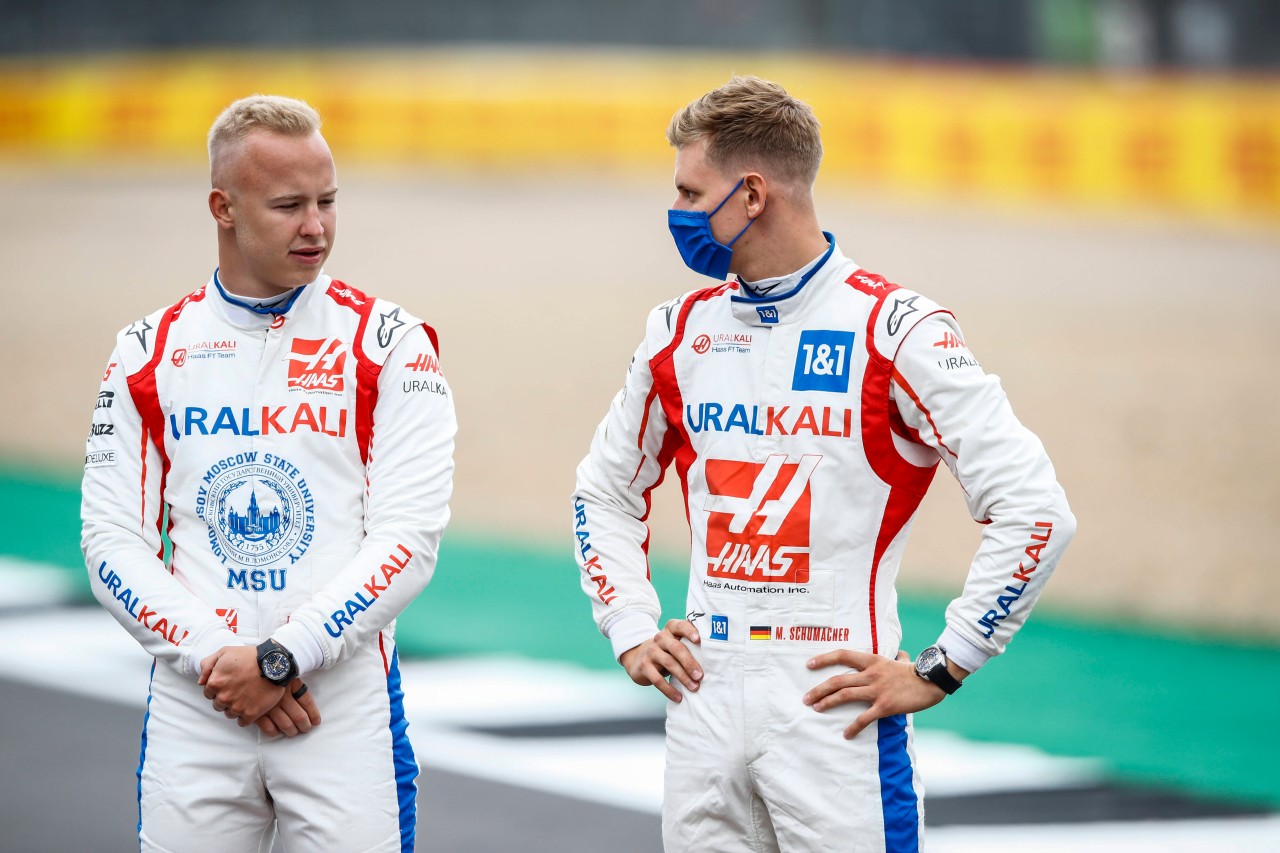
point(701, 251)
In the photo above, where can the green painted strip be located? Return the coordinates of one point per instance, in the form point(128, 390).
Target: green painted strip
point(1166, 710)
point(41, 513)
point(1161, 708)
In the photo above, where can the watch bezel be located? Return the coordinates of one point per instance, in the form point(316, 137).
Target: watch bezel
point(929, 660)
point(937, 672)
point(275, 663)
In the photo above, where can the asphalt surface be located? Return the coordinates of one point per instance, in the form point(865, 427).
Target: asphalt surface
point(68, 785)
point(75, 790)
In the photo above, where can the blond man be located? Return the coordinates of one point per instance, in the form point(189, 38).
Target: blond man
point(298, 434)
point(805, 403)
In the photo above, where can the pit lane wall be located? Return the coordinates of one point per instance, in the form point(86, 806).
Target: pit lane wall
point(1204, 146)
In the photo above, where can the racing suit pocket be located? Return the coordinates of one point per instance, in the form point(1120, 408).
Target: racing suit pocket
point(812, 603)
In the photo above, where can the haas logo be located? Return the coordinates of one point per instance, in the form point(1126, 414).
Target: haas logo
point(758, 522)
point(231, 616)
point(317, 365)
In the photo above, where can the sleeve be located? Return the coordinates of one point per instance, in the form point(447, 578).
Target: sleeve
point(628, 458)
point(121, 512)
point(409, 482)
point(1010, 486)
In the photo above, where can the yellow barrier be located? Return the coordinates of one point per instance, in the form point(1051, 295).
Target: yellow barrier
point(1206, 146)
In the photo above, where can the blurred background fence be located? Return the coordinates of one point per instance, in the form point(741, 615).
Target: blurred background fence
point(1106, 34)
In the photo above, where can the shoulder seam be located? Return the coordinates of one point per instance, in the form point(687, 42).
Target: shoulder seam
point(165, 317)
point(686, 308)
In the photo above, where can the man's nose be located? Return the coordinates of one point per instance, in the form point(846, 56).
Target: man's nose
point(312, 225)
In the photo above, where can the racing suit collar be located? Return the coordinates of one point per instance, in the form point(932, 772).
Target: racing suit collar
point(781, 305)
point(244, 315)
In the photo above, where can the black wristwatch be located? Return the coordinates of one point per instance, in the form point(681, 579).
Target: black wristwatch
point(931, 665)
point(276, 663)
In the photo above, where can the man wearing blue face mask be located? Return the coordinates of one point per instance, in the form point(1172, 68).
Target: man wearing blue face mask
point(805, 403)
point(699, 248)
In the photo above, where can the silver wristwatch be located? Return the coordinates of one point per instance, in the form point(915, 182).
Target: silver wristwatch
point(931, 665)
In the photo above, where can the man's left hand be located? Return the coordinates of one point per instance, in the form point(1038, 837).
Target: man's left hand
point(296, 714)
point(233, 682)
point(890, 686)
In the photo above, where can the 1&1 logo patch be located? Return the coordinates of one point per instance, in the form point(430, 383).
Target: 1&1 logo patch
point(822, 361)
point(719, 627)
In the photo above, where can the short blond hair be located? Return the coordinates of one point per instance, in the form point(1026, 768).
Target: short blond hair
point(274, 113)
point(749, 122)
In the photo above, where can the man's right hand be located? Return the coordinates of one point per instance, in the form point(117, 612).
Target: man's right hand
point(234, 684)
point(291, 717)
point(653, 660)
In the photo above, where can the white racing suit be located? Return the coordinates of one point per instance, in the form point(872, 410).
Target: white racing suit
point(305, 462)
point(805, 428)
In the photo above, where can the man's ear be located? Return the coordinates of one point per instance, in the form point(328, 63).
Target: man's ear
point(220, 207)
point(757, 193)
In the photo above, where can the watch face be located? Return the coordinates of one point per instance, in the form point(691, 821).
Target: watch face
point(275, 665)
point(928, 659)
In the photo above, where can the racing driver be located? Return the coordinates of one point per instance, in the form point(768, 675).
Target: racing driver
point(294, 436)
point(805, 404)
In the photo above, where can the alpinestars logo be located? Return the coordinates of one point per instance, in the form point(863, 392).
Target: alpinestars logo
point(390, 322)
point(902, 308)
point(317, 365)
point(139, 330)
point(758, 523)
